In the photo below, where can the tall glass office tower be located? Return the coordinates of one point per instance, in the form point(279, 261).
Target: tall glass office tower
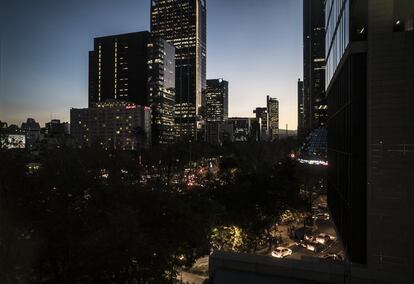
point(183, 24)
point(161, 83)
point(140, 69)
point(118, 68)
point(273, 118)
point(315, 105)
point(217, 100)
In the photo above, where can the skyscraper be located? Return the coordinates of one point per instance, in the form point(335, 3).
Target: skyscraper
point(260, 125)
point(183, 24)
point(301, 108)
point(217, 100)
point(315, 105)
point(273, 118)
point(139, 69)
point(161, 81)
point(118, 68)
point(370, 87)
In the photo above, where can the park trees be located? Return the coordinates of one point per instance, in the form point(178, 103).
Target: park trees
point(85, 217)
point(71, 222)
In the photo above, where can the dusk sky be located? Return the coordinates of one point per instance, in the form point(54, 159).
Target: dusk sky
point(254, 44)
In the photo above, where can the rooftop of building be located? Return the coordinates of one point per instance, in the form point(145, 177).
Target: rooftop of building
point(225, 267)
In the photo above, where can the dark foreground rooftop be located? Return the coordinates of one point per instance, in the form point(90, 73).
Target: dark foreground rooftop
point(254, 269)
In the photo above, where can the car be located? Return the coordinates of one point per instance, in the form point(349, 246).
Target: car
point(311, 246)
point(307, 237)
point(324, 238)
point(323, 206)
point(311, 243)
point(321, 216)
point(281, 252)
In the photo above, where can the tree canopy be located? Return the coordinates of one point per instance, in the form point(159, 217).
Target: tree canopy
point(84, 216)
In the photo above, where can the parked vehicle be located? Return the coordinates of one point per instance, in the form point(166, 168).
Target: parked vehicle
point(335, 257)
point(321, 216)
point(324, 238)
point(281, 252)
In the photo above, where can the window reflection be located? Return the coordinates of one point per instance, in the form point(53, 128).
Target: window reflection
point(337, 35)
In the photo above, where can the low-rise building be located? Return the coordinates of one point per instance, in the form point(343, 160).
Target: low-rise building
point(242, 128)
point(57, 128)
point(31, 129)
point(218, 133)
point(112, 124)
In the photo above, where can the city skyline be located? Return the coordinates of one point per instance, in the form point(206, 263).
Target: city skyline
point(178, 175)
point(61, 83)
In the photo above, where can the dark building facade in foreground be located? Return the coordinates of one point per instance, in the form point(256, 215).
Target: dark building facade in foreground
point(301, 108)
point(227, 267)
point(183, 24)
point(370, 87)
point(217, 100)
point(315, 104)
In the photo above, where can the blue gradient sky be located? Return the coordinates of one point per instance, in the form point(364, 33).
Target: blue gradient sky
point(254, 44)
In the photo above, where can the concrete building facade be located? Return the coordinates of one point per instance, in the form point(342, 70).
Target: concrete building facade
point(112, 125)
